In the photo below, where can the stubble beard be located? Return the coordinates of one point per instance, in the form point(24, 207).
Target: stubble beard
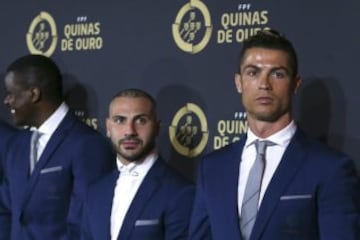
point(138, 155)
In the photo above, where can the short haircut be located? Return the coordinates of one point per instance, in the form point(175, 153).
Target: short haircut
point(136, 93)
point(39, 71)
point(270, 39)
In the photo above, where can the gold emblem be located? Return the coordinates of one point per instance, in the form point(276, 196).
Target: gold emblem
point(183, 136)
point(185, 31)
point(42, 30)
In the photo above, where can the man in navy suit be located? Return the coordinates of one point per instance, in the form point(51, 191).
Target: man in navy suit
point(6, 131)
point(306, 191)
point(42, 198)
point(144, 198)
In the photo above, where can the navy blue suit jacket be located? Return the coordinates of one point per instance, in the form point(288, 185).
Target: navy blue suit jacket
point(161, 208)
point(314, 194)
point(6, 131)
point(47, 204)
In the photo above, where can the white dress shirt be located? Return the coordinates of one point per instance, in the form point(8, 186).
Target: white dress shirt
point(127, 184)
point(49, 126)
point(273, 155)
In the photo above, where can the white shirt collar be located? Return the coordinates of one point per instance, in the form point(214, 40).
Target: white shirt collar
point(138, 168)
point(49, 126)
point(280, 138)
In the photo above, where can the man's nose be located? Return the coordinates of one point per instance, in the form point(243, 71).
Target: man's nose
point(130, 129)
point(264, 82)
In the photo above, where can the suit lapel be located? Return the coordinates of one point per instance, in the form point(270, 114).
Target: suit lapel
point(290, 163)
point(229, 199)
point(56, 139)
point(102, 208)
point(146, 190)
point(20, 165)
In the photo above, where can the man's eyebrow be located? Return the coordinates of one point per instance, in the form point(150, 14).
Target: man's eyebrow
point(275, 68)
point(117, 116)
point(250, 66)
point(281, 68)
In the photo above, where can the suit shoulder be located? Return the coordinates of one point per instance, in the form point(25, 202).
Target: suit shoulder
point(80, 126)
point(82, 131)
point(317, 149)
point(7, 129)
point(219, 155)
point(318, 155)
point(104, 182)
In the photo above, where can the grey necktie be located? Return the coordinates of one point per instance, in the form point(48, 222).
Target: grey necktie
point(250, 203)
point(34, 144)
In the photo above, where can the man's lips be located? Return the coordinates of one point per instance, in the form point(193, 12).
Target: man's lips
point(129, 144)
point(264, 100)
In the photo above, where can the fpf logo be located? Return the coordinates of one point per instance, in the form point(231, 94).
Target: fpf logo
point(192, 27)
point(42, 35)
point(189, 132)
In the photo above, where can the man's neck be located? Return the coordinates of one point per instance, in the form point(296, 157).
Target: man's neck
point(264, 129)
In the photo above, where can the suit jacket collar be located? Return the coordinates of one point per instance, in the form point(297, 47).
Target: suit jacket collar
point(56, 139)
point(229, 167)
point(103, 213)
point(290, 163)
point(147, 188)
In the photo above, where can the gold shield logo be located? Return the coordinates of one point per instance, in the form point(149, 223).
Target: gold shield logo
point(188, 25)
point(42, 35)
point(189, 131)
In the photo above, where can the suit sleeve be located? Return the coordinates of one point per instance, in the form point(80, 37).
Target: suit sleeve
point(93, 159)
point(339, 203)
point(85, 229)
point(199, 223)
point(5, 214)
point(178, 214)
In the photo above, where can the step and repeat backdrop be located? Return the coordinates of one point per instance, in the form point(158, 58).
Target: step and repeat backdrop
point(185, 54)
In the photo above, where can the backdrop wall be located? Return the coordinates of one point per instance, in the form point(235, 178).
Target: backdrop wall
point(185, 54)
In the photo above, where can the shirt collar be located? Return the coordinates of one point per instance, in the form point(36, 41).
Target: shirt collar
point(50, 125)
point(281, 138)
point(137, 168)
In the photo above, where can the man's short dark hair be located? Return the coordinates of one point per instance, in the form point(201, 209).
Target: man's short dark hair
point(41, 72)
point(136, 93)
point(271, 39)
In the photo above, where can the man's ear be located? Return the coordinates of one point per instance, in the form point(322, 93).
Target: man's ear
point(237, 79)
point(35, 94)
point(297, 83)
point(107, 123)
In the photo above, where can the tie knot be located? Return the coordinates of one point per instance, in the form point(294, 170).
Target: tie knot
point(35, 136)
point(261, 146)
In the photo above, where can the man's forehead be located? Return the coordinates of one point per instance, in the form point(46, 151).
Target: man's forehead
point(126, 106)
point(262, 57)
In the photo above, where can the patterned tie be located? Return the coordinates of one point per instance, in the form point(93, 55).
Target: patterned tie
point(250, 203)
point(34, 144)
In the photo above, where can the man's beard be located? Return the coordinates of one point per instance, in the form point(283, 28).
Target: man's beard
point(137, 156)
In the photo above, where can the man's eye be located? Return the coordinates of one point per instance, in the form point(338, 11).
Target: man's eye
point(251, 72)
point(119, 120)
point(279, 74)
point(141, 120)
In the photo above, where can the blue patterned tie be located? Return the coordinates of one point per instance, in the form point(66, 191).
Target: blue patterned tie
point(250, 203)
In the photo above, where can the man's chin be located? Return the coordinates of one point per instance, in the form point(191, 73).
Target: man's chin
point(18, 123)
point(132, 157)
point(270, 117)
point(21, 125)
